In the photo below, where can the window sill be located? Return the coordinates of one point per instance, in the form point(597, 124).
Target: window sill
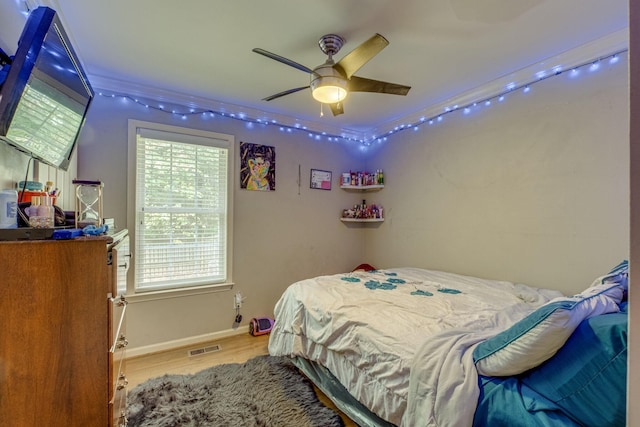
point(178, 292)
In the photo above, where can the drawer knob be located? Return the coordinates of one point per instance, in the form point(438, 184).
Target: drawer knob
point(122, 381)
point(122, 342)
point(122, 421)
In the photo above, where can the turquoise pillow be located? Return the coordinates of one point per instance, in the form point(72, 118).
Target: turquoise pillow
point(587, 378)
point(540, 335)
point(622, 268)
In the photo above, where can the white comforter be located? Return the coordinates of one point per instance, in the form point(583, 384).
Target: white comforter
point(443, 382)
point(387, 336)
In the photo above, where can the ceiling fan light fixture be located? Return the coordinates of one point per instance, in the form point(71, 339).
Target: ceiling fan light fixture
point(328, 86)
point(329, 90)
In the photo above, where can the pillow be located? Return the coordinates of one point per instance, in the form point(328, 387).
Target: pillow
point(537, 337)
point(622, 268)
point(624, 307)
point(619, 273)
point(587, 377)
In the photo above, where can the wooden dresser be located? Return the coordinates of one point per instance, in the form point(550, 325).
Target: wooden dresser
point(60, 315)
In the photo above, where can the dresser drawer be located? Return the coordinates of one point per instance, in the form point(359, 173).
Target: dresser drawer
point(119, 400)
point(55, 334)
point(117, 354)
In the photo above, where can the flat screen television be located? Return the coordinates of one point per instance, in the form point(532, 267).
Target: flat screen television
point(45, 95)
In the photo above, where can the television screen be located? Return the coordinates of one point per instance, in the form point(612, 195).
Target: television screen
point(46, 94)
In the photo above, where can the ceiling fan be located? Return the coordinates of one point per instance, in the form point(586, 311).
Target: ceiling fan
point(332, 81)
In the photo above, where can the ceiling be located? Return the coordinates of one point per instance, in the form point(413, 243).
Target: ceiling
point(440, 48)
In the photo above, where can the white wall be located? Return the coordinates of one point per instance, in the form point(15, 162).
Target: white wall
point(279, 237)
point(534, 189)
point(15, 167)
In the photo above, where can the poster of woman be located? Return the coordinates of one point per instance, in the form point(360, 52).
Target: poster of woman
point(257, 167)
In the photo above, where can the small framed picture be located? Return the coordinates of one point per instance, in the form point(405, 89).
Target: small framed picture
point(320, 180)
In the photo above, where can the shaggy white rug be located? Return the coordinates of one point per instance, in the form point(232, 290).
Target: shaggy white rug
point(264, 391)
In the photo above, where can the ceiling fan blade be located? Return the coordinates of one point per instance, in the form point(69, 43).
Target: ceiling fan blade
point(337, 108)
point(283, 93)
point(282, 59)
point(360, 84)
point(359, 56)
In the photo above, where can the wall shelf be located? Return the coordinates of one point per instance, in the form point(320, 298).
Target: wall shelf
point(376, 187)
point(362, 219)
point(362, 213)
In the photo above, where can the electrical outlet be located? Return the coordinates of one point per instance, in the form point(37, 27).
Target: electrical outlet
point(237, 300)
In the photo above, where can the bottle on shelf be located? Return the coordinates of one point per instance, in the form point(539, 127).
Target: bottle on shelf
point(363, 212)
point(362, 178)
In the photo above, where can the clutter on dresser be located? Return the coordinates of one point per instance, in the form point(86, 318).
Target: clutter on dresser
point(30, 212)
point(31, 205)
point(36, 205)
point(41, 212)
point(29, 189)
point(8, 209)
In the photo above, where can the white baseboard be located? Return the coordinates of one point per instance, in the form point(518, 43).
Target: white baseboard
point(184, 342)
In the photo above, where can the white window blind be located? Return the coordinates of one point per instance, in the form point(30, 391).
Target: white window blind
point(182, 198)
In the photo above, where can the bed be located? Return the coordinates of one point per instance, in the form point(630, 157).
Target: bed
point(410, 347)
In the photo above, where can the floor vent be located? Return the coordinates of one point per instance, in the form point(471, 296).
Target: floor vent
point(204, 350)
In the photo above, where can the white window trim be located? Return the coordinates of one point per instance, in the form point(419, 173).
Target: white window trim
point(133, 125)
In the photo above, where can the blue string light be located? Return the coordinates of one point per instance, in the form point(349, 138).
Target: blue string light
point(592, 65)
point(252, 123)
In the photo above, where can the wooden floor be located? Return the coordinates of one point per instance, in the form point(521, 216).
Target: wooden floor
point(235, 349)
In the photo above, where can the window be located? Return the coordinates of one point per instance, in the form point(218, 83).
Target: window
point(183, 205)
